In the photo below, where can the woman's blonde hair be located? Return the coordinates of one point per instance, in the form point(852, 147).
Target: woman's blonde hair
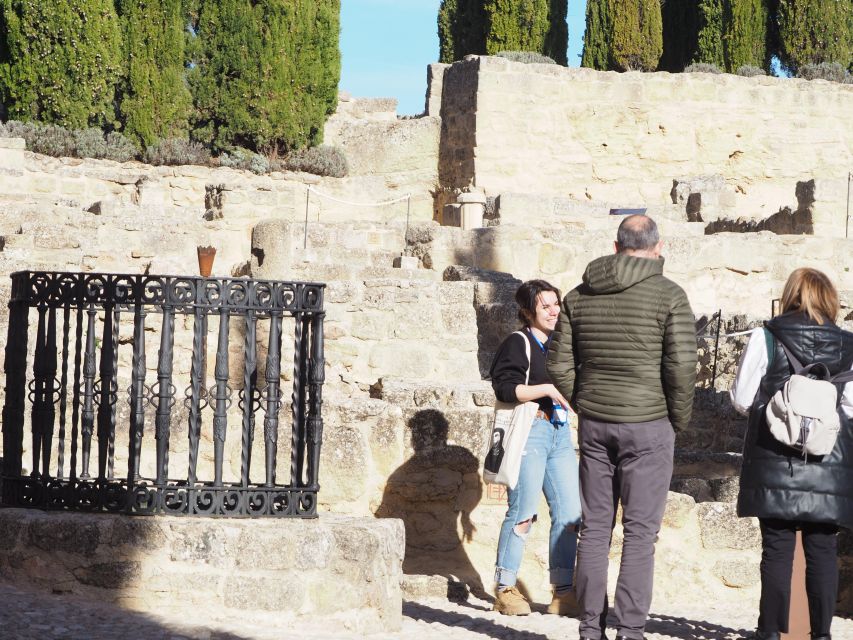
point(810, 291)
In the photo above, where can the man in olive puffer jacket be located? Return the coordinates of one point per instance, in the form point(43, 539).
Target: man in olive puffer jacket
point(624, 351)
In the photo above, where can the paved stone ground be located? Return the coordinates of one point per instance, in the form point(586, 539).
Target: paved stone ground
point(33, 615)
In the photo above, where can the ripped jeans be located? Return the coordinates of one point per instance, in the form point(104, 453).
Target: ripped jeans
point(548, 464)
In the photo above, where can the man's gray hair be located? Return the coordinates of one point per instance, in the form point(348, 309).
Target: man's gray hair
point(637, 233)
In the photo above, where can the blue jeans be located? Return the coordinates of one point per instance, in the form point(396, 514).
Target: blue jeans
point(548, 464)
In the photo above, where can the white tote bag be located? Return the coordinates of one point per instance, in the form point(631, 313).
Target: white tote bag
point(510, 429)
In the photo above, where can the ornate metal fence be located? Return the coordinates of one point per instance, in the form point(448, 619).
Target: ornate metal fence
point(72, 389)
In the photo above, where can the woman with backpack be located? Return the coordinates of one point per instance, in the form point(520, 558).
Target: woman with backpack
point(787, 488)
point(548, 464)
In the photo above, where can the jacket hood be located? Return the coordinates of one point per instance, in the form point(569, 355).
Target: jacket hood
point(619, 271)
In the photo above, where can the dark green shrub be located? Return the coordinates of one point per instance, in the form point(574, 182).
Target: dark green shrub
point(461, 29)
point(750, 71)
point(153, 97)
point(745, 34)
point(680, 34)
point(323, 161)
point(531, 25)
point(636, 43)
point(702, 67)
point(177, 151)
point(246, 160)
point(814, 31)
point(825, 71)
point(527, 57)
point(709, 42)
point(266, 73)
point(59, 61)
point(598, 34)
point(489, 26)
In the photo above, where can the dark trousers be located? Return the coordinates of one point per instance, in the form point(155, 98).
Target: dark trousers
point(820, 544)
point(631, 463)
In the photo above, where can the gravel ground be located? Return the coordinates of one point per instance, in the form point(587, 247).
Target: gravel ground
point(34, 615)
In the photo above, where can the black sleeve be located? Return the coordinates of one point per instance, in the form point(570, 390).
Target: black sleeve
point(509, 368)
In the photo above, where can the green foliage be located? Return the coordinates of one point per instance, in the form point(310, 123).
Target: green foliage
point(702, 67)
point(461, 29)
point(597, 37)
point(709, 45)
point(527, 57)
point(814, 31)
point(750, 71)
point(734, 33)
point(681, 21)
point(745, 37)
point(154, 99)
point(177, 151)
point(60, 61)
point(527, 25)
point(266, 72)
point(324, 160)
point(244, 159)
point(489, 26)
point(831, 71)
point(637, 38)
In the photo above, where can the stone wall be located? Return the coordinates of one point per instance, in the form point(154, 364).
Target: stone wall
point(337, 570)
point(738, 273)
point(624, 138)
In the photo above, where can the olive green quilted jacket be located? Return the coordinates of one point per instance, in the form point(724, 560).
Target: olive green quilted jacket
point(624, 349)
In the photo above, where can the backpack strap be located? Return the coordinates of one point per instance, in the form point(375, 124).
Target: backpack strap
point(770, 344)
point(796, 364)
point(527, 352)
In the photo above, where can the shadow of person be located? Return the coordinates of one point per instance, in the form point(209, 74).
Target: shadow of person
point(434, 493)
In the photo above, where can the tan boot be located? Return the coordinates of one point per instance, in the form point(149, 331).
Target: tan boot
point(510, 602)
point(565, 605)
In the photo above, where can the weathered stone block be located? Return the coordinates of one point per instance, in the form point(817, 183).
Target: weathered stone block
point(722, 529)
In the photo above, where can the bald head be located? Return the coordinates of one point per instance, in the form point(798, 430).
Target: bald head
point(638, 235)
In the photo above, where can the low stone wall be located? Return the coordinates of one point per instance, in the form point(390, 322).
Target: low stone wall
point(738, 273)
point(628, 138)
point(335, 569)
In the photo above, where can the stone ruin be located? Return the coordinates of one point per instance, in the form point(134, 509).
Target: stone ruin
point(747, 178)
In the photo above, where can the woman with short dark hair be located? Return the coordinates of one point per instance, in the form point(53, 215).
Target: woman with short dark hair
point(786, 490)
point(548, 464)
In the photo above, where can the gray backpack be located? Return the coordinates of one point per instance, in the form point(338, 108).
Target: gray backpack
point(803, 414)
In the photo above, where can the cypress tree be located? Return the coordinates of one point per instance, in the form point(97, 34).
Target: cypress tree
point(709, 47)
point(154, 99)
point(461, 29)
point(637, 39)
point(680, 33)
point(597, 36)
point(266, 73)
point(815, 31)
point(60, 61)
point(745, 40)
point(527, 25)
point(489, 26)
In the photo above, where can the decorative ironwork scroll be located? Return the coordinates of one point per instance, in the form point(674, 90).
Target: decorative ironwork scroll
point(72, 385)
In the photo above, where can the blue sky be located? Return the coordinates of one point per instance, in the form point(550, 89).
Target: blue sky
point(386, 46)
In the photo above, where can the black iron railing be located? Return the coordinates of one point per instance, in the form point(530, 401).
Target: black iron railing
point(73, 393)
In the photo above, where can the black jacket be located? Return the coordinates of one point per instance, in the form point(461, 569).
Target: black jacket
point(776, 482)
point(510, 365)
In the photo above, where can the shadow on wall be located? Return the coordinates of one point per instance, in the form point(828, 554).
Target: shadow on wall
point(494, 303)
point(434, 493)
point(785, 221)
